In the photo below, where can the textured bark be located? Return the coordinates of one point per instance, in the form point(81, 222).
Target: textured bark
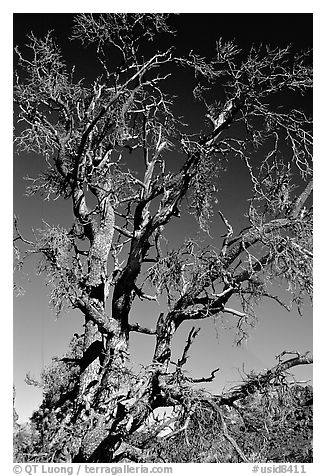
point(100, 245)
point(165, 329)
point(93, 348)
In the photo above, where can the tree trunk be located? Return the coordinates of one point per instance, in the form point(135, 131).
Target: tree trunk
point(92, 357)
point(94, 348)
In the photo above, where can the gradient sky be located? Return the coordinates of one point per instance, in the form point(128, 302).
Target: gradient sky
point(38, 336)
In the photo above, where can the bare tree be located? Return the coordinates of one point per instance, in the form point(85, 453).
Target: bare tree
point(113, 255)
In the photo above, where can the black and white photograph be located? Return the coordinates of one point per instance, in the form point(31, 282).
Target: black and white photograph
point(163, 239)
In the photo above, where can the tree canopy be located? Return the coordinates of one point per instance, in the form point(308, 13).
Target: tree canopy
point(128, 164)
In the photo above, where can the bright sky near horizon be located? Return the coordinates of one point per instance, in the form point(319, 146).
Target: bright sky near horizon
point(38, 336)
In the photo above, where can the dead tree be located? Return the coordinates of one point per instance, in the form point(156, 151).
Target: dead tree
point(106, 146)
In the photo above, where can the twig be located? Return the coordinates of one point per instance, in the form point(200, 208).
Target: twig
point(142, 295)
point(191, 337)
point(19, 235)
point(226, 433)
point(228, 236)
point(123, 231)
point(183, 428)
point(204, 379)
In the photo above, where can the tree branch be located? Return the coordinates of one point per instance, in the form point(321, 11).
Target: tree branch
point(261, 380)
point(143, 330)
point(105, 324)
point(191, 337)
point(204, 379)
point(301, 200)
point(226, 433)
point(234, 312)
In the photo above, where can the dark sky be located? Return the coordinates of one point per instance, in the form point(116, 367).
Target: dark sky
point(38, 336)
point(197, 30)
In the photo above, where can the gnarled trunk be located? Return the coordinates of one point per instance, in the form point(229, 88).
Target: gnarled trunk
point(94, 345)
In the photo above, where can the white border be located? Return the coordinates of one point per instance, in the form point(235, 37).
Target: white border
point(277, 6)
